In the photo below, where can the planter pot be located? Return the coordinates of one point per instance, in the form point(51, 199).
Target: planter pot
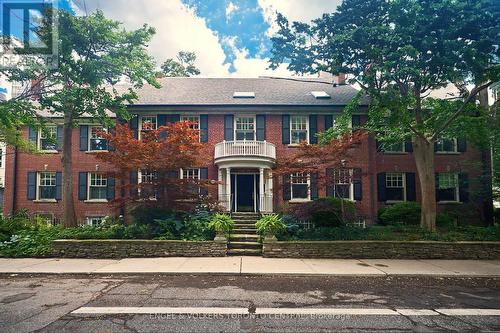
point(270, 238)
point(220, 237)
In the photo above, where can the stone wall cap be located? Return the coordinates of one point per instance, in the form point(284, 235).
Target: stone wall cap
point(382, 241)
point(129, 241)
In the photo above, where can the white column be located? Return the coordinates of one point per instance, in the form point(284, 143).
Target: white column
point(220, 187)
point(262, 206)
point(270, 189)
point(228, 188)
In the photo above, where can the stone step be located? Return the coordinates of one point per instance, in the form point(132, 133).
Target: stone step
point(244, 252)
point(244, 245)
point(243, 238)
point(244, 222)
point(245, 219)
point(256, 217)
point(247, 231)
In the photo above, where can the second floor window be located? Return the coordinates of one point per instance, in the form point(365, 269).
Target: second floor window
point(193, 120)
point(48, 139)
point(97, 186)
point(398, 147)
point(395, 186)
point(46, 185)
point(299, 183)
point(96, 141)
point(446, 145)
point(245, 128)
point(298, 129)
point(148, 123)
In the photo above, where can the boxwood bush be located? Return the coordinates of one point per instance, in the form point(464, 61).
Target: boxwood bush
point(325, 212)
point(405, 213)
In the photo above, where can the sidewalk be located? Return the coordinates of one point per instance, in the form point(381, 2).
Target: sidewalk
point(252, 266)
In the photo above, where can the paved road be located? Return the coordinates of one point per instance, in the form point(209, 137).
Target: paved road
point(52, 303)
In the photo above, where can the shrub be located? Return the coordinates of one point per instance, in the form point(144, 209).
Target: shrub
point(406, 213)
point(196, 225)
point(221, 223)
point(326, 212)
point(445, 220)
point(10, 225)
point(270, 224)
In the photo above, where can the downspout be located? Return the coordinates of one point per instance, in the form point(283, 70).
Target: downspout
point(14, 181)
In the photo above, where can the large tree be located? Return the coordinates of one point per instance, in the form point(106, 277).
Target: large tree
point(399, 52)
point(182, 67)
point(94, 54)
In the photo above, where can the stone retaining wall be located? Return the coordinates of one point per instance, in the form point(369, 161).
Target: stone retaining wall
point(111, 248)
point(382, 250)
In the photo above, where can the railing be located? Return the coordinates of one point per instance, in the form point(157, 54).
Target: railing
point(245, 148)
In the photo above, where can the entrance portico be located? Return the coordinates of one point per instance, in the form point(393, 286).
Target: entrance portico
point(245, 176)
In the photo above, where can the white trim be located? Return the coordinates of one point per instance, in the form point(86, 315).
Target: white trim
point(455, 147)
point(307, 129)
point(457, 188)
point(89, 138)
point(39, 141)
point(38, 184)
point(88, 187)
point(404, 186)
point(236, 189)
point(308, 183)
point(254, 117)
point(139, 125)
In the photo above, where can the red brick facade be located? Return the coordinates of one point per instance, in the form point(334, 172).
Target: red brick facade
point(368, 159)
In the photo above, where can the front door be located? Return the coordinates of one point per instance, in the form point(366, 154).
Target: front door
point(245, 193)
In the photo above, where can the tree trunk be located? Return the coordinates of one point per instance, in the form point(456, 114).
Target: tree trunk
point(423, 151)
point(69, 215)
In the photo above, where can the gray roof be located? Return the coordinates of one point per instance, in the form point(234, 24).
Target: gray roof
point(268, 91)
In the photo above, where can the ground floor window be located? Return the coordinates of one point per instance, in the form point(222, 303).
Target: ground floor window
point(395, 186)
point(447, 187)
point(342, 183)
point(94, 220)
point(299, 183)
point(97, 186)
point(44, 218)
point(146, 179)
point(46, 185)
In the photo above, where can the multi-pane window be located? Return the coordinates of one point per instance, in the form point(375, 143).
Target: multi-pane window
point(299, 183)
point(398, 147)
point(194, 121)
point(446, 145)
point(44, 218)
point(97, 186)
point(148, 123)
point(96, 141)
point(94, 220)
point(46, 185)
point(191, 173)
point(448, 187)
point(395, 186)
point(147, 178)
point(298, 129)
point(48, 138)
point(245, 128)
point(342, 183)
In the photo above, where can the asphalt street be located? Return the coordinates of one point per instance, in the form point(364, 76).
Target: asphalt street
point(210, 303)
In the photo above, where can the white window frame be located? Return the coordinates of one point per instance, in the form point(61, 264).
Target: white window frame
point(97, 138)
point(39, 184)
point(440, 142)
point(89, 185)
point(141, 121)
point(188, 173)
point(456, 187)
point(41, 137)
point(193, 118)
point(89, 220)
point(48, 218)
point(254, 123)
point(299, 130)
point(336, 175)
point(403, 150)
point(308, 183)
point(403, 183)
point(140, 174)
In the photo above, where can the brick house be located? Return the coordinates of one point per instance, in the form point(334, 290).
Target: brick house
point(247, 124)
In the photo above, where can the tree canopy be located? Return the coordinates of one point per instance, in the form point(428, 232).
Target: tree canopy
point(184, 66)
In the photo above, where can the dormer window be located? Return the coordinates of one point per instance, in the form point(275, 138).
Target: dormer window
point(320, 94)
point(244, 94)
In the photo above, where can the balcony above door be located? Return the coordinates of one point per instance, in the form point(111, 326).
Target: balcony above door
point(245, 153)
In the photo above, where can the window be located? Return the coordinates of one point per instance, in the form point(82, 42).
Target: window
point(45, 218)
point(46, 185)
point(96, 141)
point(147, 177)
point(245, 128)
point(191, 174)
point(446, 145)
point(97, 186)
point(395, 186)
point(194, 120)
point(299, 186)
point(48, 139)
point(94, 220)
point(298, 129)
point(320, 94)
point(398, 147)
point(342, 183)
point(448, 187)
point(148, 123)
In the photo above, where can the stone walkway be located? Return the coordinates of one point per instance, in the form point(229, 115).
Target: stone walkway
point(252, 266)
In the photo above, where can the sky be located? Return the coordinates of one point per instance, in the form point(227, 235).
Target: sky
point(229, 37)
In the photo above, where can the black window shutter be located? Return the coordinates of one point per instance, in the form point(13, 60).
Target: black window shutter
point(287, 193)
point(330, 188)
point(162, 120)
point(436, 177)
point(229, 127)
point(463, 187)
point(84, 137)
point(313, 128)
point(58, 185)
point(203, 175)
point(358, 190)
point(381, 186)
point(328, 121)
point(31, 185)
point(33, 135)
point(408, 147)
point(314, 186)
point(261, 127)
point(133, 180)
point(411, 192)
point(173, 118)
point(356, 120)
point(435, 146)
point(134, 126)
point(285, 129)
point(60, 132)
point(204, 127)
point(82, 185)
point(461, 145)
point(110, 189)
point(173, 174)
point(378, 145)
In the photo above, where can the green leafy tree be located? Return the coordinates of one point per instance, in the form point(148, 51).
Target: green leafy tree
point(182, 67)
point(399, 52)
point(95, 54)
